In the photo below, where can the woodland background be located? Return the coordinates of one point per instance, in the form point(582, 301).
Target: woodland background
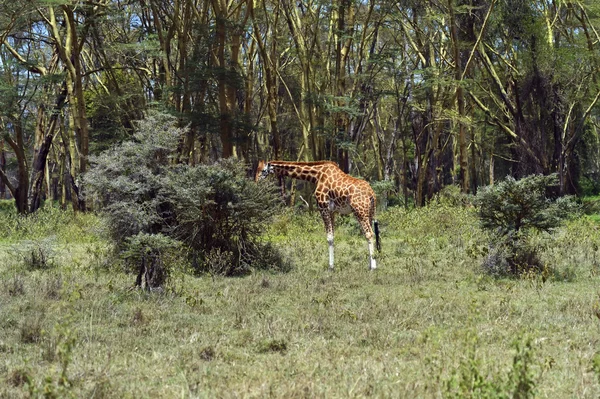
point(412, 95)
point(162, 109)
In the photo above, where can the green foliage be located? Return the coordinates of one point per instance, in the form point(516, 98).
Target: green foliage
point(143, 244)
point(7, 206)
point(452, 196)
point(523, 378)
point(150, 202)
point(382, 187)
point(49, 221)
point(589, 185)
point(151, 252)
point(383, 190)
point(127, 181)
point(110, 112)
point(514, 205)
point(60, 349)
point(511, 210)
point(596, 365)
point(470, 381)
point(590, 205)
point(221, 213)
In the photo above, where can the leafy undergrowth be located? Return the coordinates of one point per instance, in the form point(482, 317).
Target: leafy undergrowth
point(427, 323)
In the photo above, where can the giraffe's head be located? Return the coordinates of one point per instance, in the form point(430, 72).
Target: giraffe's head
point(263, 170)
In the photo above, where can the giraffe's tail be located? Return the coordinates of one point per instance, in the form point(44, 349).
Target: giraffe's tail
point(377, 238)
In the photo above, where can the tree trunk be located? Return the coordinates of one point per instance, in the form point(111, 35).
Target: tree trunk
point(2, 170)
point(227, 68)
point(270, 58)
point(460, 102)
point(39, 163)
point(20, 190)
point(69, 53)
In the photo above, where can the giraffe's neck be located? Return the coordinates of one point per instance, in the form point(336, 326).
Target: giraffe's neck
point(310, 171)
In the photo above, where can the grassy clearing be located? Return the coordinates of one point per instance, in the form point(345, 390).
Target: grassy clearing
point(427, 323)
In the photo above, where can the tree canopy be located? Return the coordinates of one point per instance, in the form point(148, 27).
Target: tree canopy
point(421, 94)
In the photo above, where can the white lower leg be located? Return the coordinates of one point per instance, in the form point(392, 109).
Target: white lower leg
point(372, 261)
point(330, 242)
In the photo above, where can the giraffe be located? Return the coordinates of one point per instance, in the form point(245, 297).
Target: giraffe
point(335, 192)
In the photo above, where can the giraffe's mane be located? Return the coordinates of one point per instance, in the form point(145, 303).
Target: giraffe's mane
point(314, 163)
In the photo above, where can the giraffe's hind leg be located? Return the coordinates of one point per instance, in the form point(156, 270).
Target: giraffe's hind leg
point(328, 220)
point(372, 261)
point(365, 224)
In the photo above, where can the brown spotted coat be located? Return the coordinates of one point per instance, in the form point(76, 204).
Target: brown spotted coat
point(335, 191)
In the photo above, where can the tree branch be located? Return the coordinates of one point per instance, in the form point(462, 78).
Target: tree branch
point(29, 66)
point(490, 68)
point(7, 183)
point(485, 20)
point(503, 126)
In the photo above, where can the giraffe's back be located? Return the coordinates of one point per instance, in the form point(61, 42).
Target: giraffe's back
point(344, 194)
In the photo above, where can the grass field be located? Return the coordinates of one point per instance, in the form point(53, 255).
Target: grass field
point(427, 324)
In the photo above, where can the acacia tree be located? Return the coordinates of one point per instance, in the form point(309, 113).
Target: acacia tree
point(68, 33)
point(266, 28)
point(47, 43)
point(418, 93)
point(529, 89)
point(11, 123)
point(429, 116)
point(30, 66)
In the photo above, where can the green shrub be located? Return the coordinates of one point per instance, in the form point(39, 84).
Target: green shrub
point(589, 185)
point(452, 196)
point(590, 206)
point(149, 253)
point(511, 210)
point(152, 203)
point(36, 254)
point(384, 189)
point(513, 256)
point(220, 215)
point(127, 182)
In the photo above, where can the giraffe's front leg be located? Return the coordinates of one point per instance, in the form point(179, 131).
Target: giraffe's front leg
point(328, 220)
